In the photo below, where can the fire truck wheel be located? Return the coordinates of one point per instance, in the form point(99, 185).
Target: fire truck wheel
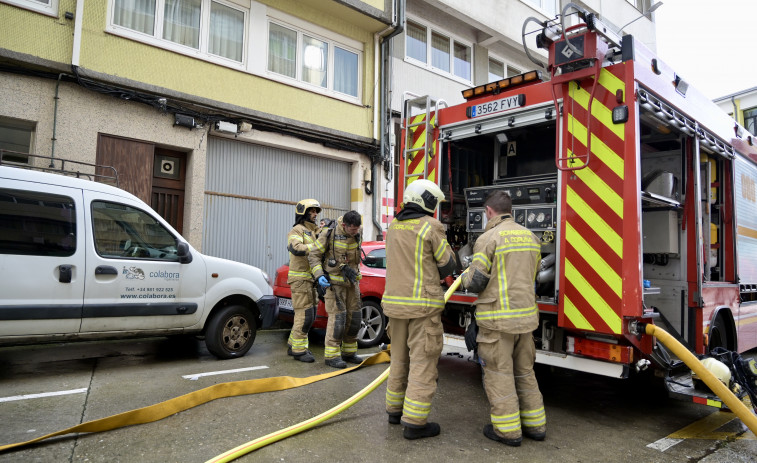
point(719, 334)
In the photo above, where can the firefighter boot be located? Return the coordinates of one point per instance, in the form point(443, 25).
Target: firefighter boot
point(535, 433)
point(306, 356)
point(414, 431)
point(336, 362)
point(491, 434)
point(352, 358)
point(394, 418)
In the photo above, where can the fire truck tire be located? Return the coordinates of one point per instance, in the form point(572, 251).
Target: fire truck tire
point(720, 335)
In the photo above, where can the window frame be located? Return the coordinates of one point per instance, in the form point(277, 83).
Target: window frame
point(453, 40)
point(545, 11)
point(753, 117)
point(48, 10)
point(203, 51)
point(508, 69)
point(21, 124)
point(332, 40)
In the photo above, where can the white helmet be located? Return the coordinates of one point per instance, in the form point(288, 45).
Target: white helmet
point(424, 193)
point(718, 369)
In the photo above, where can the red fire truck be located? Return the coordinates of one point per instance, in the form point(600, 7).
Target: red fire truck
point(641, 190)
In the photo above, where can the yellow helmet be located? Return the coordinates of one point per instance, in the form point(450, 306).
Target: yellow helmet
point(306, 204)
point(424, 193)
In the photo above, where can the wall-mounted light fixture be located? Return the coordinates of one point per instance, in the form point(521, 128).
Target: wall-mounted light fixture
point(185, 121)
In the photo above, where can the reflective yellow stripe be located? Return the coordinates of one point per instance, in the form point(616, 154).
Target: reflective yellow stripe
point(319, 246)
point(480, 257)
point(533, 418)
point(604, 231)
point(506, 423)
point(418, 271)
point(300, 274)
point(412, 301)
point(441, 250)
point(598, 186)
point(508, 313)
point(394, 399)
point(601, 112)
point(596, 301)
point(575, 316)
point(344, 245)
point(613, 280)
point(416, 409)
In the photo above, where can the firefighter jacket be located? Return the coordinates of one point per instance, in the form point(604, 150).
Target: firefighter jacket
point(299, 243)
point(502, 271)
point(417, 258)
point(332, 252)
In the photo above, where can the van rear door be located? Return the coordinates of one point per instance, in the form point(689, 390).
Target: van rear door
point(135, 281)
point(42, 252)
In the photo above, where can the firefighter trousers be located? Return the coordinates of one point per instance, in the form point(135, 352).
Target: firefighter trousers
point(416, 346)
point(344, 321)
point(510, 383)
point(304, 301)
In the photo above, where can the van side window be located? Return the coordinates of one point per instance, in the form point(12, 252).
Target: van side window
point(37, 224)
point(123, 231)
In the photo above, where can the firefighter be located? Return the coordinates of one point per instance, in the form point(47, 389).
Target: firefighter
point(334, 261)
point(418, 257)
point(304, 300)
point(502, 272)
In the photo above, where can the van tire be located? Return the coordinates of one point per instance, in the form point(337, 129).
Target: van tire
point(231, 332)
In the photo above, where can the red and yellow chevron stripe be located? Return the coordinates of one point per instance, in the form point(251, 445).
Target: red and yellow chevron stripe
point(593, 234)
point(417, 138)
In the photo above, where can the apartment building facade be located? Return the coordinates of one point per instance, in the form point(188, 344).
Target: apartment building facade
point(220, 114)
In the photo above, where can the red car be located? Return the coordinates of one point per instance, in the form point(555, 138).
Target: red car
point(373, 270)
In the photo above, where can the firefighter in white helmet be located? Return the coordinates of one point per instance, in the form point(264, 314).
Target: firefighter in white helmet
point(502, 272)
point(300, 279)
point(335, 260)
point(417, 258)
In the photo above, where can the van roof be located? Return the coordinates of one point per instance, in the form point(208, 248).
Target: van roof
point(27, 175)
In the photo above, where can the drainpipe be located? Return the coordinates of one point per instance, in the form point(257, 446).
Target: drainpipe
point(384, 104)
point(76, 52)
point(736, 115)
point(55, 123)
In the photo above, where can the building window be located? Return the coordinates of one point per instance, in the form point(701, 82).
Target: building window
point(750, 120)
point(315, 61)
point(496, 70)
point(448, 56)
point(209, 27)
point(16, 138)
point(549, 7)
point(37, 224)
point(48, 7)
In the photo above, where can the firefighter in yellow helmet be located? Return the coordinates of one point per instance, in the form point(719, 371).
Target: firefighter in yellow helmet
point(502, 272)
point(334, 259)
point(417, 258)
point(300, 241)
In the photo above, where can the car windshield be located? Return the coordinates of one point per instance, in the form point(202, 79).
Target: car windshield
point(376, 258)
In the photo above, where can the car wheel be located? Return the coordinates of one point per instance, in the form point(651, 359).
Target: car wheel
point(719, 335)
point(231, 332)
point(373, 325)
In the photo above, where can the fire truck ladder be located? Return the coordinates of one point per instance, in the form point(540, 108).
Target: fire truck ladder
point(418, 129)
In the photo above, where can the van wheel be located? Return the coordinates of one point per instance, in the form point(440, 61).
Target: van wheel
point(231, 332)
point(373, 326)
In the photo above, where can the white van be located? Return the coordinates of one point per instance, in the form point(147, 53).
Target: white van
point(84, 260)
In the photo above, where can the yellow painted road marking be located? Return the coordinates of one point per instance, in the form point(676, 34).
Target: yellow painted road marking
point(708, 428)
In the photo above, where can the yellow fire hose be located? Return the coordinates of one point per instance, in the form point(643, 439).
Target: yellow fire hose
point(307, 424)
point(169, 407)
point(725, 394)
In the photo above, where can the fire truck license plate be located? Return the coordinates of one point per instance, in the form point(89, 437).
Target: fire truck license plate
point(496, 106)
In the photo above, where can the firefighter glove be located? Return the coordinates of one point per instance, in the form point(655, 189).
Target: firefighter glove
point(350, 274)
point(323, 281)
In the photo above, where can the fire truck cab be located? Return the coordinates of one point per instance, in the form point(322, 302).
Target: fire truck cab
point(641, 189)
